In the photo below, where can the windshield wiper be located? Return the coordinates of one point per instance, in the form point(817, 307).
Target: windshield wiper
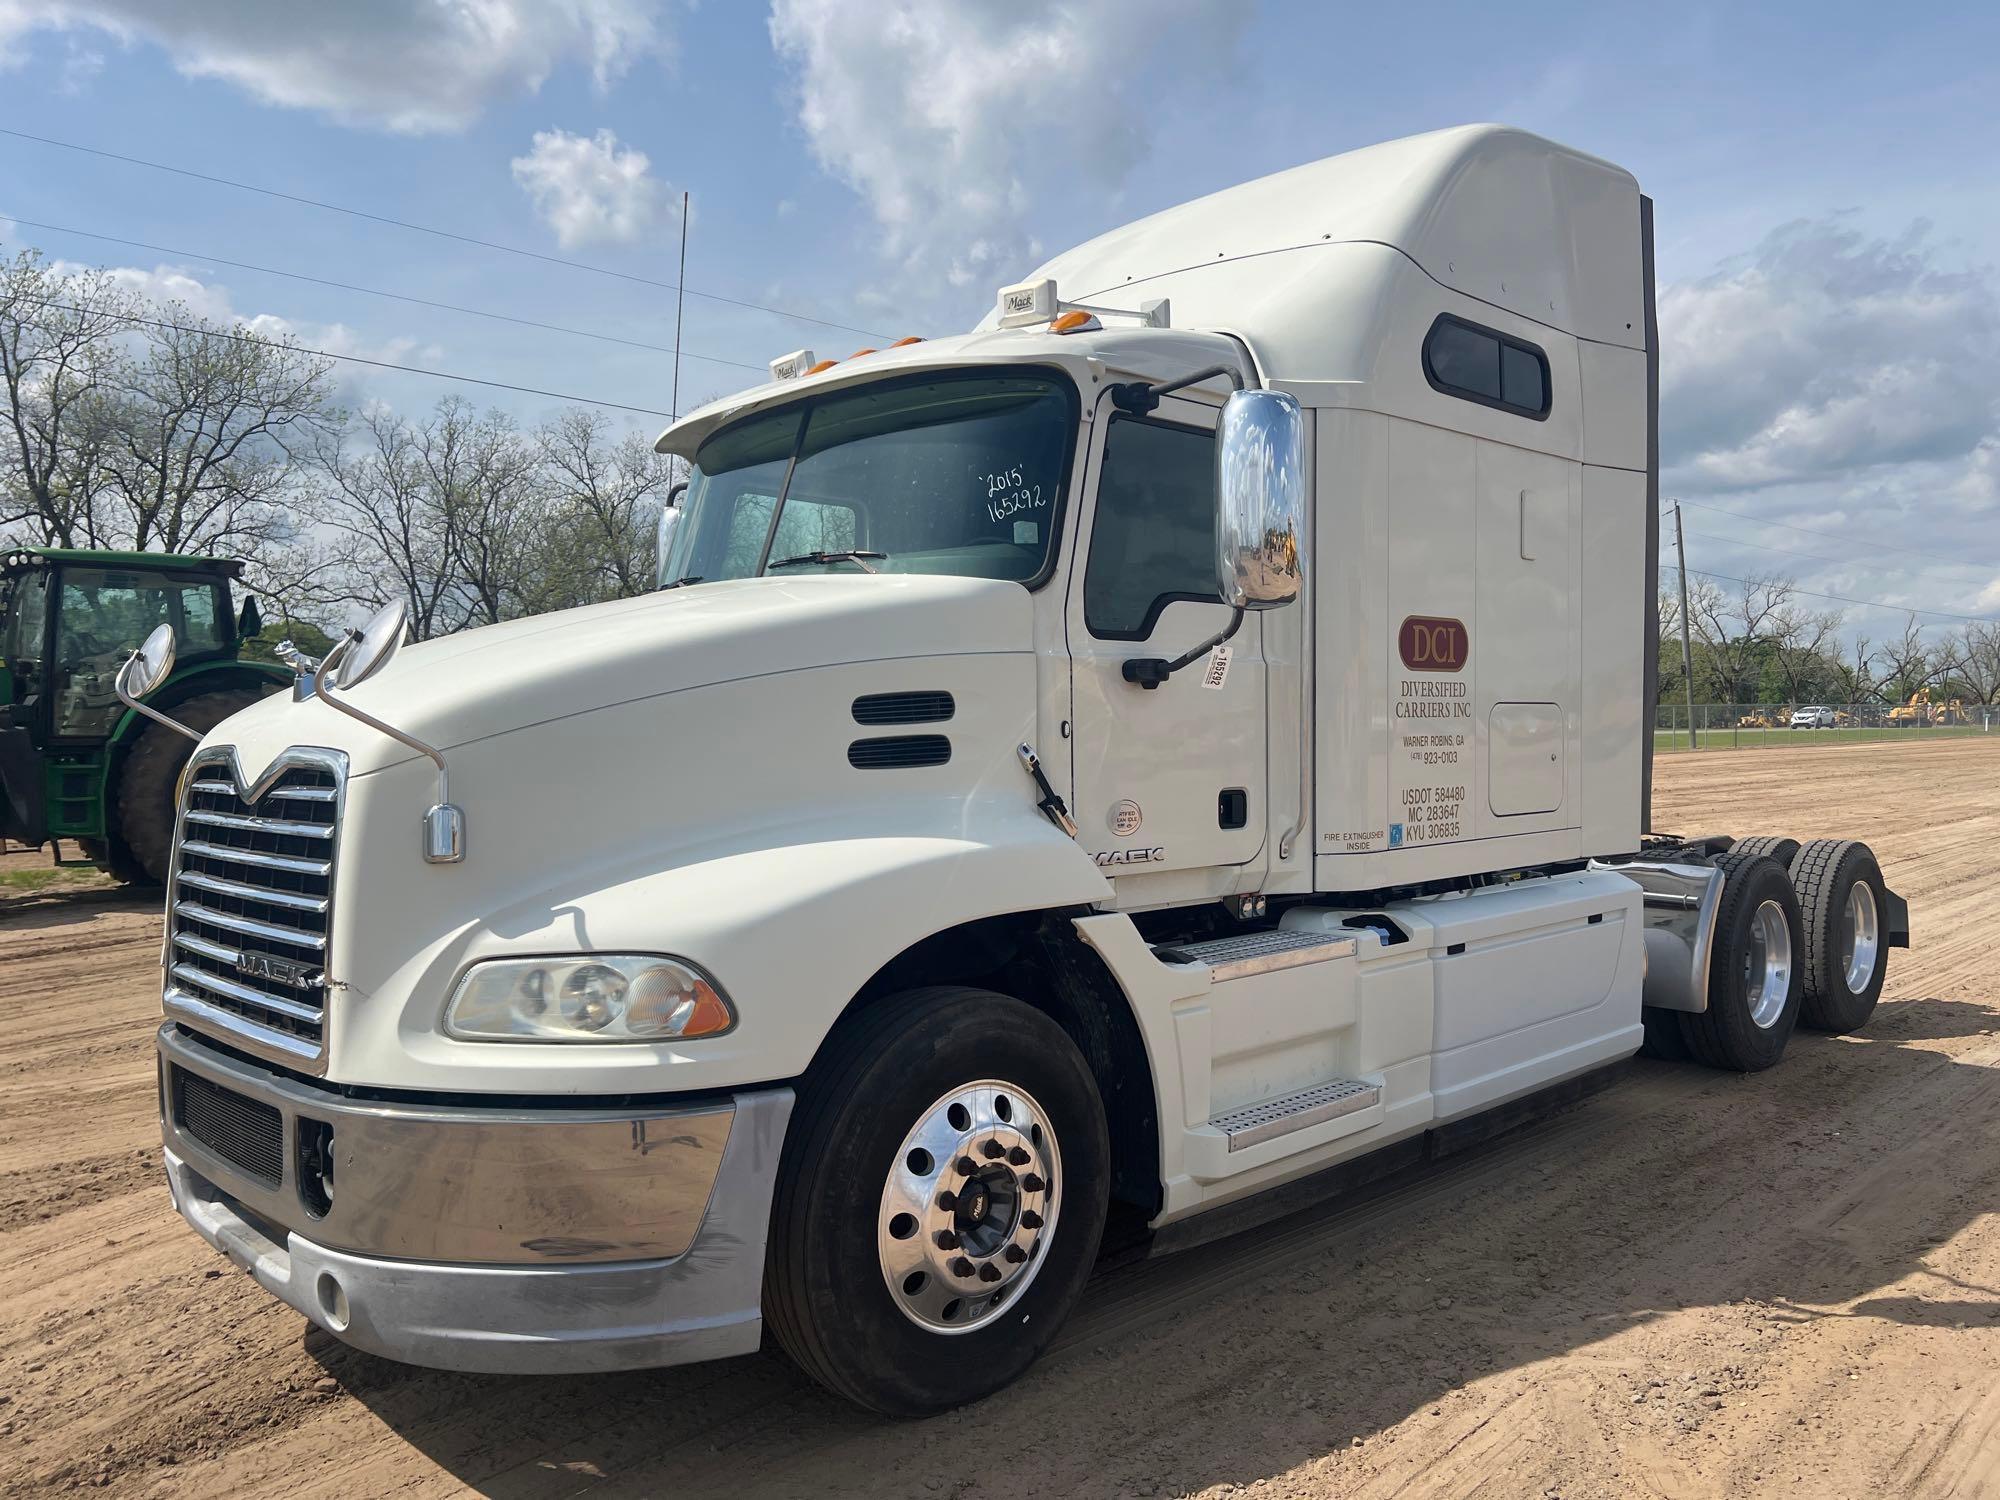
point(828, 557)
point(691, 578)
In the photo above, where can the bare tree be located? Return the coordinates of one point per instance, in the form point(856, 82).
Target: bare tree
point(375, 494)
point(1736, 625)
point(204, 424)
point(1805, 643)
point(604, 496)
point(1909, 661)
point(1978, 664)
point(60, 354)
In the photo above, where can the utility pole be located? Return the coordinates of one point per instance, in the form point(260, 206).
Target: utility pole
point(680, 304)
point(1687, 652)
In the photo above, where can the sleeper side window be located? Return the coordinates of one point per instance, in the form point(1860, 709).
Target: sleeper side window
point(1494, 369)
point(1153, 540)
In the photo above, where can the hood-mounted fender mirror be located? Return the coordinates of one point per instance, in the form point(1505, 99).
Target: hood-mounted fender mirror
point(355, 658)
point(144, 671)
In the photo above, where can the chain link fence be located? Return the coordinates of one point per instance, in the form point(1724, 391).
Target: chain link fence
point(1740, 726)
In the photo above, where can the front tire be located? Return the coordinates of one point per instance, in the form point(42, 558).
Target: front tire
point(940, 1200)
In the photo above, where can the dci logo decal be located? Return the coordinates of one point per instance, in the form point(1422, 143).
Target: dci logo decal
point(1431, 643)
point(1125, 818)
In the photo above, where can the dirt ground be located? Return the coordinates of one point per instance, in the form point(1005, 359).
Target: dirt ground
point(1689, 1284)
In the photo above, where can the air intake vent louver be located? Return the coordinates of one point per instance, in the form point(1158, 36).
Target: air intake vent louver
point(898, 752)
point(904, 708)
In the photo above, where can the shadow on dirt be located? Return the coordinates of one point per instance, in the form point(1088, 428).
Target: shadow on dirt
point(1251, 1356)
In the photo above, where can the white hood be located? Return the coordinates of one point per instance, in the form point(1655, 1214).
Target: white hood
point(480, 683)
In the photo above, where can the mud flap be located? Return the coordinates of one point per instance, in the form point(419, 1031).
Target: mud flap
point(1896, 920)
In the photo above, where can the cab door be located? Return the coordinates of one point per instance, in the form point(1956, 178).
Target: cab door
point(1170, 778)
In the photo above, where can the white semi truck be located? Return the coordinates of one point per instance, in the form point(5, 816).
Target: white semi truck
point(1186, 739)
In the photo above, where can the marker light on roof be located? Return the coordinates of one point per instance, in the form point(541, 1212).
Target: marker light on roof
point(1076, 320)
point(905, 340)
point(792, 366)
point(825, 364)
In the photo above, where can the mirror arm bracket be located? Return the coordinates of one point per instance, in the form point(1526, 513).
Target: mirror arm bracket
point(1150, 671)
point(444, 824)
point(154, 714)
point(1137, 398)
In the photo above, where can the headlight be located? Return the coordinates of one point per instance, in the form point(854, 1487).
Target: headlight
point(593, 997)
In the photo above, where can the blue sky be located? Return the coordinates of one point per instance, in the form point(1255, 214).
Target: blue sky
point(1824, 177)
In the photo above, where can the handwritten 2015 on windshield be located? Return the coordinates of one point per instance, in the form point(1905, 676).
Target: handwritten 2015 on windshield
point(1007, 494)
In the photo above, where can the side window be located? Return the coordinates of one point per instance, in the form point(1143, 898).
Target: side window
point(1154, 537)
point(1476, 364)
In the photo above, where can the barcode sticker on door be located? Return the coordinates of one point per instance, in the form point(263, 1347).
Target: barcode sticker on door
point(1217, 671)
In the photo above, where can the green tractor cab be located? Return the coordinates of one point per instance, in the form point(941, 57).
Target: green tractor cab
point(75, 762)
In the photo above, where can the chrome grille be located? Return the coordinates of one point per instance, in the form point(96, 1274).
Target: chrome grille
point(249, 907)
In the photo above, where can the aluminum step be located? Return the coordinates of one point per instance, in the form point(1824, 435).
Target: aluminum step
point(1260, 952)
point(1255, 1123)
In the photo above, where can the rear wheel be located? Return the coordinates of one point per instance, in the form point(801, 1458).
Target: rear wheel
point(1844, 904)
point(1754, 981)
point(146, 785)
point(940, 1201)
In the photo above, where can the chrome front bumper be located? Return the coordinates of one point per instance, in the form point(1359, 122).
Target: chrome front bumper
point(493, 1239)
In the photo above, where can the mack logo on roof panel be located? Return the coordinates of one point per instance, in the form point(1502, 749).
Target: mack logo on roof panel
point(1430, 643)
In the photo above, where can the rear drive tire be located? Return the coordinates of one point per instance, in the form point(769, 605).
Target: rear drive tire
point(939, 1202)
point(1845, 906)
point(1754, 981)
point(147, 781)
point(1771, 846)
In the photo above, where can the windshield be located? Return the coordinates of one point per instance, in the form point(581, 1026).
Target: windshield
point(103, 614)
point(945, 474)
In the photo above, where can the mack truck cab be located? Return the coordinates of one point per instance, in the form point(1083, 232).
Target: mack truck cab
point(1183, 739)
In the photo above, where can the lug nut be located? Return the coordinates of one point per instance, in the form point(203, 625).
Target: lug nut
point(993, 1150)
point(1030, 1219)
point(966, 1166)
point(948, 1201)
point(989, 1272)
point(1032, 1184)
point(1015, 1254)
point(946, 1240)
point(1017, 1157)
point(960, 1266)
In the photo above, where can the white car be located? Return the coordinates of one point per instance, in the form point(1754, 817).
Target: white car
point(1813, 718)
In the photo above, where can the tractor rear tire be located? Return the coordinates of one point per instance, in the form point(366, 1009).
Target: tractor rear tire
point(1845, 907)
point(146, 783)
point(1756, 965)
point(1772, 846)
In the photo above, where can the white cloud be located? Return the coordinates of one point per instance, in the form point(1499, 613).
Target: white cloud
point(409, 65)
point(590, 190)
point(941, 113)
point(1822, 353)
point(167, 289)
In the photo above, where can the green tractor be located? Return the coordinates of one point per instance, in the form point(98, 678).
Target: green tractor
point(75, 762)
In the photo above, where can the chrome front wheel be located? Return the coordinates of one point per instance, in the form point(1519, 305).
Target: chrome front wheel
point(971, 1200)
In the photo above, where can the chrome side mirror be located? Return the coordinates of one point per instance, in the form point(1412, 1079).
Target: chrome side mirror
point(144, 670)
point(670, 520)
point(150, 665)
point(368, 649)
point(1260, 486)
